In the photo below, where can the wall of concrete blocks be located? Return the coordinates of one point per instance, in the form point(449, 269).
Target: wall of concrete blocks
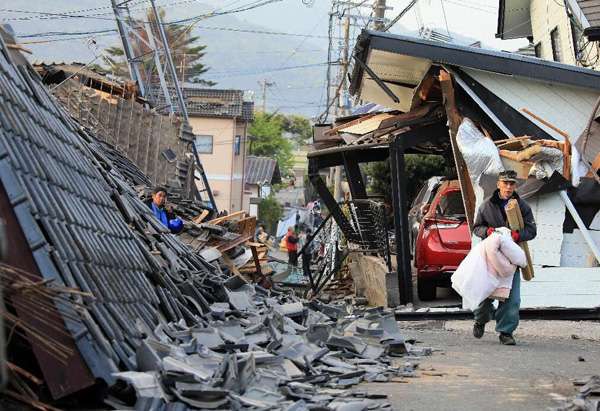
point(141, 134)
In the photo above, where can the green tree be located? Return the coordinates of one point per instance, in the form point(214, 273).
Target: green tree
point(299, 127)
point(267, 140)
point(269, 213)
point(419, 167)
point(185, 50)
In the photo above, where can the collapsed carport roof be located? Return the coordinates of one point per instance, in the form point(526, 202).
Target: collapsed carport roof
point(516, 92)
point(383, 50)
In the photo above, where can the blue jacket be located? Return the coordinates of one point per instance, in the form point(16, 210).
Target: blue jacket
point(169, 220)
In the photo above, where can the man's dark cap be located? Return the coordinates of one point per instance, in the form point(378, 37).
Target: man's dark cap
point(158, 189)
point(508, 175)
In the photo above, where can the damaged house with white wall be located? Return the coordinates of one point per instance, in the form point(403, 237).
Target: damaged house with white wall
point(488, 111)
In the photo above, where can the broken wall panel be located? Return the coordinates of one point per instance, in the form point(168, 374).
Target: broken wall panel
point(562, 287)
point(139, 133)
point(549, 215)
point(575, 251)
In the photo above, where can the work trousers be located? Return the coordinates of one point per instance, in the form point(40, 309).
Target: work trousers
point(507, 313)
point(293, 258)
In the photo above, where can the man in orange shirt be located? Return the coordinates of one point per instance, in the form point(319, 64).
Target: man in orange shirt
point(291, 243)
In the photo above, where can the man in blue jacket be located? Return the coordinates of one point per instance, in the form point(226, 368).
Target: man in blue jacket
point(165, 216)
point(490, 216)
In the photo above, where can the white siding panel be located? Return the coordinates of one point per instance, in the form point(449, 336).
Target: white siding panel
point(562, 287)
point(595, 224)
point(566, 107)
point(549, 214)
point(575, 251)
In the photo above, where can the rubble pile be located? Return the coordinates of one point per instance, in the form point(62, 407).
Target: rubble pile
point(226, 238)
point(268, 350)
point(144, 310)
point(587, 399)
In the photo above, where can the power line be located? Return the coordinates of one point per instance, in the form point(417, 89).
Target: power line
point(48, 15)
point(471, 6)
point(260, 71)
point(112, 31)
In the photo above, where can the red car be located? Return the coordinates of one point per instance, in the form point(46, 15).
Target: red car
point(443, 240)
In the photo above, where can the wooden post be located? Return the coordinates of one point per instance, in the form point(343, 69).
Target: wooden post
point(256, 263)
point(454, 120)
point(515, 221)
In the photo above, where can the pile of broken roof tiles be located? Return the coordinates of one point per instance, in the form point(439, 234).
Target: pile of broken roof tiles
point(177, 329)
point(587, 399)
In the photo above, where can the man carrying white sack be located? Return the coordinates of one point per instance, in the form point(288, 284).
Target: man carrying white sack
point(490, 216)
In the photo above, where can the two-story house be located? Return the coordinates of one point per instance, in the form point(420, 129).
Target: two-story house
point(558, 30)
point(220, 121)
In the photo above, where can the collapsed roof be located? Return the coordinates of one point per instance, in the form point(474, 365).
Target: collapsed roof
point(140, 307)
point(516, 93)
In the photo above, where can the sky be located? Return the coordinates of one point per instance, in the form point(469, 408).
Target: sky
point(241, 59)
point(472, 18)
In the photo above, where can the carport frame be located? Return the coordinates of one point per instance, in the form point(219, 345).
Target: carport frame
point(350, 157)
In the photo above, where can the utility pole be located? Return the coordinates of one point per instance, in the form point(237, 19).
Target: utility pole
point(379, 13)
point(264, 85)
point(345, 67)
point(342, 108)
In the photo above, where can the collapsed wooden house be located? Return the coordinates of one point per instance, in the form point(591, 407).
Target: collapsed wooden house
point(538, 117)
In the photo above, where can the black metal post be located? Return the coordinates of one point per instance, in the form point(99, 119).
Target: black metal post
point(328, 200)
point(355, 178)
point(403, 257)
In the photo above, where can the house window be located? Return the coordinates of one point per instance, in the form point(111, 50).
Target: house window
point(204, 144)
point(237, 145)
point(555, 40)
point(538, 50)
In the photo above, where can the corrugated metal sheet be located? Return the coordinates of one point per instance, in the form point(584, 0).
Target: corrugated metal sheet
point(591, 10)
point(261, 170)
point(566, 107)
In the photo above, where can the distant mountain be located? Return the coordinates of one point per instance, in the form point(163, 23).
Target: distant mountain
point(239, 53)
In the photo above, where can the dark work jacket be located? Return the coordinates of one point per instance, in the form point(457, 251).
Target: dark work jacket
point(492, 214)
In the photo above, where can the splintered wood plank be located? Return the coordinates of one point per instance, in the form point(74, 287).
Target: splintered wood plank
point(455, 119)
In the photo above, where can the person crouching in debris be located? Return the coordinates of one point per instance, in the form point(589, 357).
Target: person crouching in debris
point(164, 215)
point(291, 244)
point(491, 215)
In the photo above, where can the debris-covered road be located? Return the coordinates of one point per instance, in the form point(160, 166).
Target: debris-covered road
point(471, 374)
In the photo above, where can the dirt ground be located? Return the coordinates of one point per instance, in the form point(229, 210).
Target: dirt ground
point(471, 374)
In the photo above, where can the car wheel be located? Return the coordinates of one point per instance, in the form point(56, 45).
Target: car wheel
point(426, 289)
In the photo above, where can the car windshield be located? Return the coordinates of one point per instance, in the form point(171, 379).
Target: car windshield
point(451, 205)
point(419, 198)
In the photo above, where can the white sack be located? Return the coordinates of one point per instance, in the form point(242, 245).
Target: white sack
point(473, 280)
point(489, 265)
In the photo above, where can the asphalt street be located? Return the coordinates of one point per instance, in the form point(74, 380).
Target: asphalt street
point(470, 374)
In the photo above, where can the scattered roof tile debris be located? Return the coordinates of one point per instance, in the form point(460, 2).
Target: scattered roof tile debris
point(159, 319)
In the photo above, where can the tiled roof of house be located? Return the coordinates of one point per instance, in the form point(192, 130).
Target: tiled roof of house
point(87, 229)
point(208, 102)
